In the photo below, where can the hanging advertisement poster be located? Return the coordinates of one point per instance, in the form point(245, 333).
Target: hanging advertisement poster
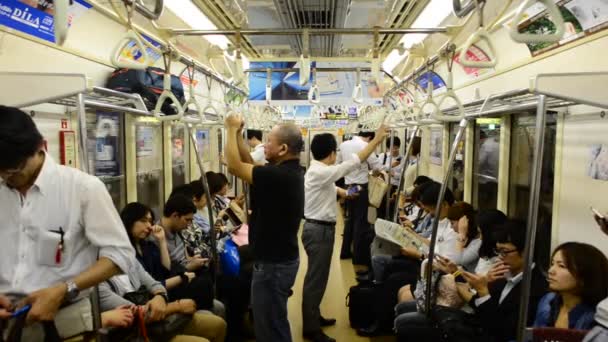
point(582, 18)
point(35, 17)
point(436, 148)
point(423, 81)
point(131, 52)
point(104, 143)
point(475, 54)
point(334, 87)
point(144, 141)
point(597, 167)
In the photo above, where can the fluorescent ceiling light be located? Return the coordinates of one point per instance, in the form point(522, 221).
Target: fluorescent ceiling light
point(192, 15)
point(432, 16)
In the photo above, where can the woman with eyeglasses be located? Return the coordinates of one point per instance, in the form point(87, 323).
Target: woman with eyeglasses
point(578, 280)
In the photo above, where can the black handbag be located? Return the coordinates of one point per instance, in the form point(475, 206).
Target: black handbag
point(455, 325)
point(360, 303)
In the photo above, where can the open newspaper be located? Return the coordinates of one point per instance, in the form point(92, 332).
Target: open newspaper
point(399, 235)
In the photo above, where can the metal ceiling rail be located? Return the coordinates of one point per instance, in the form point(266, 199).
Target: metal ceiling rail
point(318, 69)
point(312, 32)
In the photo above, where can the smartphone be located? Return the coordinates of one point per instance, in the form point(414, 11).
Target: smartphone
point(21, 311)
point(353, 190)
point(597, 213)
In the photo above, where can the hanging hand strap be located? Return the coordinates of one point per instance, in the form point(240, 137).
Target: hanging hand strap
point(556, 16)
point(449, 94)
point(192, 99)
point(167, 94)
point(480, 34)
point(130, 36)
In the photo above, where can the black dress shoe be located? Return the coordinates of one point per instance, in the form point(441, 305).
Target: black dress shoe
point(371, 331)
point(318, 337)
point(327, 322)
point(346, 256)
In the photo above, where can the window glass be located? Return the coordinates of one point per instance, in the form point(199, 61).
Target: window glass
point(179, 142)
point(106, 157)
point(486, 161)
point(149, 165)
point(457, 183)
point(523, 138)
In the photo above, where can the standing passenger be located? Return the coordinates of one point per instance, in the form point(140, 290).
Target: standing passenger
point(254, 139)
point(357, 228)
point(60, 232)
point(319, 229)
point(277, 204)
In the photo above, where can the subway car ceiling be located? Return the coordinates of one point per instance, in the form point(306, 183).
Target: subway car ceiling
point(337, 66)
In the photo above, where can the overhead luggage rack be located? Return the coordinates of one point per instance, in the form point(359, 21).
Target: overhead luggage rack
point(108, 99)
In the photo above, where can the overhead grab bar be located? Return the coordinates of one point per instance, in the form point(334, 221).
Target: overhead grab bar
point(192, 100)
point(556, 16)
point(131, 35)
point(429, 101)
point(305, 59)
point(438, 114)
point(416, 51)
point(167, 94)
point(481, 34)
point(358, 90)
point(145, 11)
point(314, 95)
point(61, 21)
point(462, 11)
point(268, 85)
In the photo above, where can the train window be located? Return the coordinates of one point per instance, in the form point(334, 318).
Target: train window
point(457, 185)
point(149, 165)
point(523, 137)
point(486, 161)
point(106, 157)
point(179, 142)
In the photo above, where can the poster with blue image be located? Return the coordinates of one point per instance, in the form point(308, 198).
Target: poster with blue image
point(35, 17)
point(423, 81)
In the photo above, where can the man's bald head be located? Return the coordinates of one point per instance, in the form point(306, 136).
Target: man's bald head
point(284, 142)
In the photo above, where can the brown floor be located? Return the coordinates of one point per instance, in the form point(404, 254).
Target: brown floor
point(342, 277)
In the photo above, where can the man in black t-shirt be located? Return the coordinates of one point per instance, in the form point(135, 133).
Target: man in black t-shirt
point(277, 204)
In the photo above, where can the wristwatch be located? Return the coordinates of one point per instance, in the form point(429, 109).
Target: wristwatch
point(72, 292)
point(164, 295)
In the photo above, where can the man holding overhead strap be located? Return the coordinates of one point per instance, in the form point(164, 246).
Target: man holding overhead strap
point(319, 229)
point(357, 225)
point(60, 233)
point(277, 204)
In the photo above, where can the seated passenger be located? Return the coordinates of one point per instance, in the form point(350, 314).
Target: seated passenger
point(154, 255)
point(115, 308)
point(578, 281)
point(497, 305)
point(60, 233)
point(600, 332)
point(464, 222)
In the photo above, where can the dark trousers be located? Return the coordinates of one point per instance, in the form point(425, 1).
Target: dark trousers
point(269, 292)
point(318, 241)
point(363, 233)
point(200, 289)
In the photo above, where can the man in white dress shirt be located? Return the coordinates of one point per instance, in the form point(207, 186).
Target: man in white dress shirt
point(392, 163)
point(254, 140)
point(356, 229)
point(60, 233)
point(320, 212)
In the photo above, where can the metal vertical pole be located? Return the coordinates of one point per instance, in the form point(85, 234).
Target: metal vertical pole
point(444, 185)
point(82, 133)
point(532, 215)
point(84, 166)
point(309, 134)
point(390, 169)
point(408, 151)
point(199, 162)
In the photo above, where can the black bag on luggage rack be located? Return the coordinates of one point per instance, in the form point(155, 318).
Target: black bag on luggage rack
point(147, 83)
point(360, 303)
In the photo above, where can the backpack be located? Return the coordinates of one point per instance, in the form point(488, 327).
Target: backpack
point(360, 301)
point(148, 84)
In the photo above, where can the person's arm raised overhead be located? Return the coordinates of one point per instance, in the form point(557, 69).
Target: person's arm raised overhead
point(381, 133)
point(236, 166)
point(243, 150)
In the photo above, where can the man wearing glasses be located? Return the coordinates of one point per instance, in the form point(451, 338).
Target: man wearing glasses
point(497, 303)
point(60, 233)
